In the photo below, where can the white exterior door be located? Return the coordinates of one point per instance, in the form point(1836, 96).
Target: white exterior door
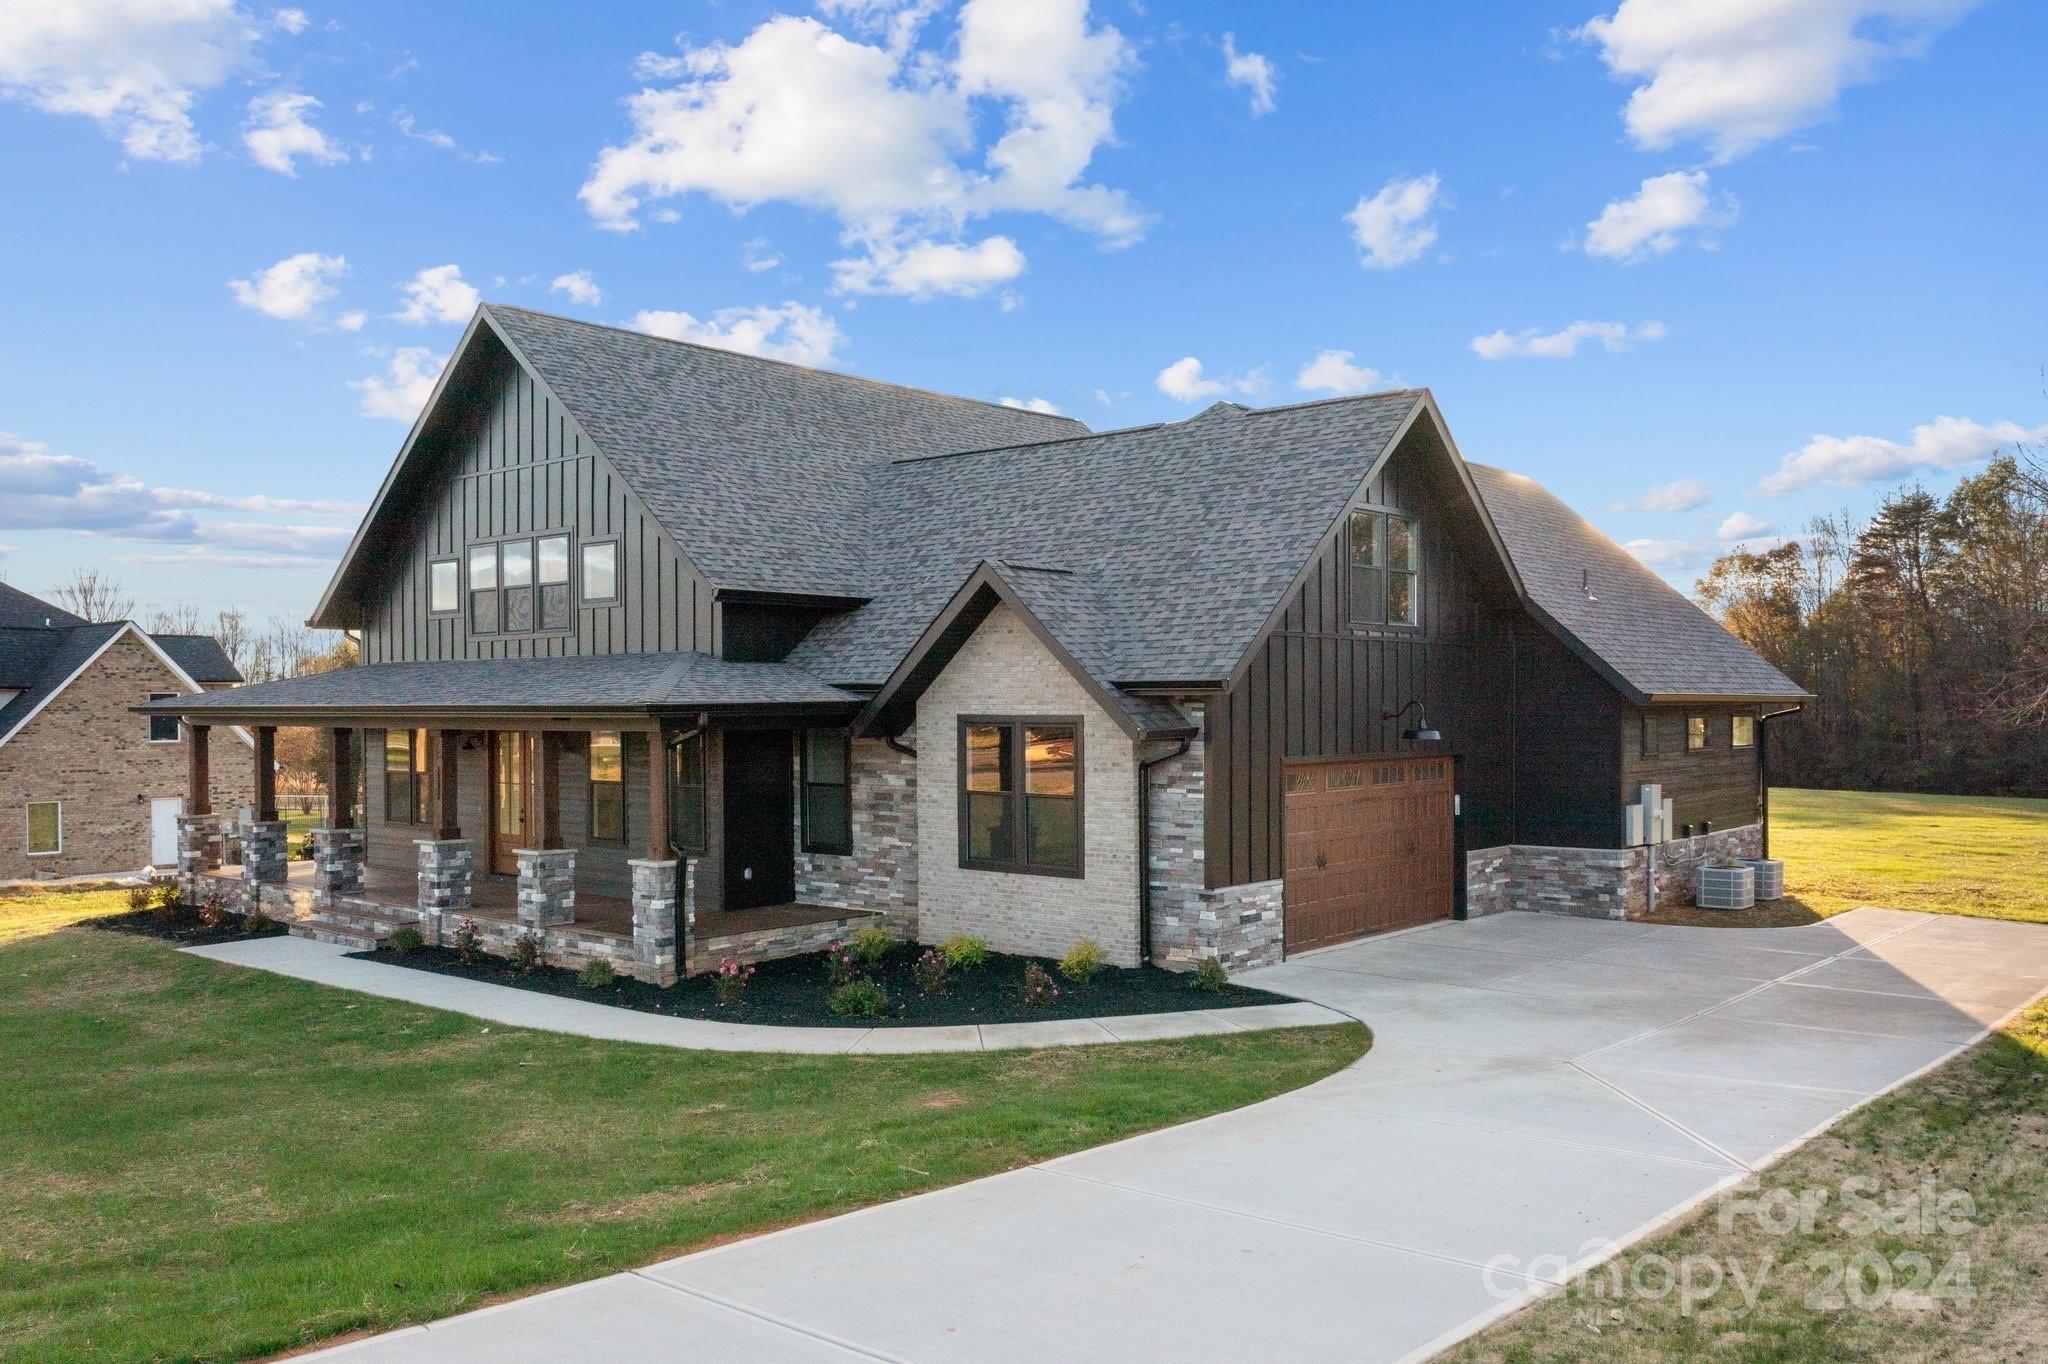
point(163, 830)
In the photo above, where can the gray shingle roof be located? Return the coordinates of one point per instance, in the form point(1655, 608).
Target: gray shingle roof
point(200, 656)
point(18, 608)
point(629, 682)
point(723, 447)
point(1177, 541)
point(43, 660)
point(1654, 640)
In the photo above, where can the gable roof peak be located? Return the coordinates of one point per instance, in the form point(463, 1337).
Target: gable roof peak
point(20, 610)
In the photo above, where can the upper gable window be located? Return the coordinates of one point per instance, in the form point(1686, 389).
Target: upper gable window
point(519, 587)
point(483, 589)
point(163, 729)
point(551, 571)
point(601, 571)
point(444, 586)
point(1382, 570)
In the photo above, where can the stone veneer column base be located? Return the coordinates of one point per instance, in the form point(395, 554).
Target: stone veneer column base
point(654, 920)
point(444, 880)
point(1240, 926)
point(337, 864)
point(263, 860)
point(1599, 883)
point(199, 851)
point(547, 886)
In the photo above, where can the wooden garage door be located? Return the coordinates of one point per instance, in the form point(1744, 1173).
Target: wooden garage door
point(1368, 848)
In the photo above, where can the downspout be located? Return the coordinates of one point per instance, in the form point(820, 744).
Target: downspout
point(897, 745)
point(1763, 774)
point(1145, 767)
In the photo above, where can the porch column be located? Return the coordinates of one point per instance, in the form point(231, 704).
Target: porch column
point(264, 855)
point(198, 782)
point(266, 773)
point(658, 848)
point(657, 949)
point(547, 830)
point(341, 782)
point(447, 803)
point(338, 848)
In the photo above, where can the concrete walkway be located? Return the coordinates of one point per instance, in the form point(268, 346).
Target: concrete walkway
point(1541, 1090)
point(327, 964)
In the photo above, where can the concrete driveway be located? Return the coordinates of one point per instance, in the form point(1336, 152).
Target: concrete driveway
point(1541, 1088)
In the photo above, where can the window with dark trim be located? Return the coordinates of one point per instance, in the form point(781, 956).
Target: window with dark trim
point(686, 793)
point(1020, 795)
point(1649, 735)
point(1382, 575)
point(515, 578)
point(827, 791)
point(1742, 731)
point(163, 729)
point(444, 587)
point(407, 795)
point(483, 589)
point(45, 828)
point(600, 570)
point(1695, 733)
point(551, 572)
point(608, 788)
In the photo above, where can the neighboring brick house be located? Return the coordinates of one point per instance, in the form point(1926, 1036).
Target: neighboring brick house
point(706, 655)
point(86, 785)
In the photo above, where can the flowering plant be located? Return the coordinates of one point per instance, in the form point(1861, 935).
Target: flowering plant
point(729, 981)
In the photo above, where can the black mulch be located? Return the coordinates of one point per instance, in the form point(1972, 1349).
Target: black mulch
point(792, 992)
point(182, 926)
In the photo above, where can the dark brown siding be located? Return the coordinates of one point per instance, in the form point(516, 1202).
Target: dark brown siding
point(1716, 785)
point(1568, 725)
point(520, 464)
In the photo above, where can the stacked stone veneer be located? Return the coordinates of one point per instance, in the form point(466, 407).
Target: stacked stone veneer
point(1239, 926)
point(1599, 883)
point(337, 864)
point(880, 875)
point(199, 851)
point(447, 869)
point(263, 860)
point(655, 920)
point(547, 886)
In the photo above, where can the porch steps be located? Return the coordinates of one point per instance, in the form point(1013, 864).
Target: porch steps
point(356, 926)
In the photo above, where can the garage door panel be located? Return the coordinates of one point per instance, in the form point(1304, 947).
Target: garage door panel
point(1369, 848)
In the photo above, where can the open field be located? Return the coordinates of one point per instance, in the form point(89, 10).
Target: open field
point(1980, 855)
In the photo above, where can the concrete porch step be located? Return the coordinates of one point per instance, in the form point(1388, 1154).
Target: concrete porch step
point(341, 937)
point(358, 925)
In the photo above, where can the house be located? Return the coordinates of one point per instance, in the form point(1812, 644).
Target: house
point(672, 654)
point(85, 785)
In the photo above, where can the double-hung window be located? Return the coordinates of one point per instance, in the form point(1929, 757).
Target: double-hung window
point(407, 796)
point(1020, 795)
point(1382, 570)
point(483, 589)
point(1742, 731)
point(163, 729)
point(1695, 733)
point(45, 828)
point(828, 792)
point(608, 788)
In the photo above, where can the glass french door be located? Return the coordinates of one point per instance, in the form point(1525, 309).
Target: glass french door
point(512, 795)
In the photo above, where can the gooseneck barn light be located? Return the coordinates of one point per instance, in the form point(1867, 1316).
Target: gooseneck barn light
point(1422, 731)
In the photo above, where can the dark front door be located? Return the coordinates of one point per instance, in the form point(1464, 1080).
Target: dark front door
point(760, 844)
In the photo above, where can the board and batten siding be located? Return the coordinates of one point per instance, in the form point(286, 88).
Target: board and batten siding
point(521, 465)
point(1716, 784)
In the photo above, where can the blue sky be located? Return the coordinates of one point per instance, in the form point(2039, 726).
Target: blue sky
point(1703, 274)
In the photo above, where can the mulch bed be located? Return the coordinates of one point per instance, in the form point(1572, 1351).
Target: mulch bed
point(792, 992)
point(182, 926)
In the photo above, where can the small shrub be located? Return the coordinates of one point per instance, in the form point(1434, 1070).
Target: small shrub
point(1209, 976)
point(858, 998)
point(1083, 961)
point(931, 969)
point(256, 921)
point(469, 944)
point(729, 981)
point(405, 940)
point(165, 895)
point(964, 953)
point(870, 945)
point(214, 910)
point(841, 964)
point(140, 896)
point(526, 951)
point(1039, 989)
point(595, 975)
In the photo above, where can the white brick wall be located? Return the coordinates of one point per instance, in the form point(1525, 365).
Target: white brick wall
point(1004, 670)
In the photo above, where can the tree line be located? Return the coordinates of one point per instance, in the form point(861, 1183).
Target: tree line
point(278, 648)
point(1922, 633)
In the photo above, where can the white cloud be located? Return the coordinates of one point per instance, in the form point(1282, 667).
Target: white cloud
point(1735, 75)
point(1683, 495)
point(1740, 525)
point(883, 137)
point(792, 331)
point(579, 287)
point(292, 21)
point(434, 137)
point(403, 388)
point(1184, 381)
point(277, 133)
point(1393, 227)
point(1654, 222)
point(293, 289)
point(438, 294)
point(1564, 344)
point(924, 270)
point(1847, 461)
point(1334, 371)
point(134, 66)
point(352, 321)
point(1252, 71)
point(1045, 405)
point(1669, 554)
point(758, 256)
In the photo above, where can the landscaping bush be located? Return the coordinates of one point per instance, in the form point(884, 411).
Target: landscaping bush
point(931, 969)
point(526, 951)
point(214, 911)
point(858, 998)
point(595, 975)
point(1083, 961)
point(469, 944)
point(964, 953)
point(1039, 989)
point(1209, 975)
point(842, 964)
point(870, 945)
point(405, 940)
point(164, 895)
point(729, 981)
point(256, 921)
point(139, 896)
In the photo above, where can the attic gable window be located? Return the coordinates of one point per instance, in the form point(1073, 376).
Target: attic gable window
point(601, 571)
point(551, 571)
point(163, 729)
point(444, 587)
point(1382, 570)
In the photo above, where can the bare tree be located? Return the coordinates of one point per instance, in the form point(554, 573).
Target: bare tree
point(231, 629)
point(174, 620)
point(94, 597)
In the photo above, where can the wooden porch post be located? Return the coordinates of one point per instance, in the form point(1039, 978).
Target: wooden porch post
point(447, 749)
point(266, 772)
point(198, 784)
point(658, 848)
point(341, 784)
point(548, 805)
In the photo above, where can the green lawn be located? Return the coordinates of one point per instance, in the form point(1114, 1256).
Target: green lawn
point(205, 1162)
point(1977, 855)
